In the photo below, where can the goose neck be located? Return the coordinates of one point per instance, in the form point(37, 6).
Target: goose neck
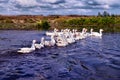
point(33, 46)
point(100, 31)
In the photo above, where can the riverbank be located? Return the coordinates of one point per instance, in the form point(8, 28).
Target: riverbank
point(30, 22)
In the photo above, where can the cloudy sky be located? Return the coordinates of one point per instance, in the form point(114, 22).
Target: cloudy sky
point(61, 7)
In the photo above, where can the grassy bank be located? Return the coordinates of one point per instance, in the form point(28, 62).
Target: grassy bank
point(108, 23)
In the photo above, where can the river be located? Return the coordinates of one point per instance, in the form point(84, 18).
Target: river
point(87, 59)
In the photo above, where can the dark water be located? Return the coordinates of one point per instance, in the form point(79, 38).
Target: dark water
point(87, 59)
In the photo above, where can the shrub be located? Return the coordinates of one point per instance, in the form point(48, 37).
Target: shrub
point(42, 25)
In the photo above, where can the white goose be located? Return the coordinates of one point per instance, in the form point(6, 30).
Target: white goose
point(61, 40)
point(51, 42)
point(52, 33)
point(41, 45)
point(81, 34)
point(70, 38)
point(27, 49)
point(97, 34)
point(86, 34)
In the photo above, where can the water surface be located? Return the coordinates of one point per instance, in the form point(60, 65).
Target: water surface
point(88, 59)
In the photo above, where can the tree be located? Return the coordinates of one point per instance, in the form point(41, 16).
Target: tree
point(99, 14)
point(44, 25)
point(105, 14)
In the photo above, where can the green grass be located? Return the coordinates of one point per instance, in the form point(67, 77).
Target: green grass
point(109, 23)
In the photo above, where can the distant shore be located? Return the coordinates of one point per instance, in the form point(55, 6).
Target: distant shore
point(38, 22)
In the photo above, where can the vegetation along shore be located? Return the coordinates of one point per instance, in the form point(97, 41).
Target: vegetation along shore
point(110, 23)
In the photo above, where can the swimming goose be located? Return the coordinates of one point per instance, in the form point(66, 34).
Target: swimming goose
point(61, 40)
point(70, 38)
point(86, 34)
point(52, 33)
point(41, 45)
point(27, 49)
point(51, 42)
point(97, 34)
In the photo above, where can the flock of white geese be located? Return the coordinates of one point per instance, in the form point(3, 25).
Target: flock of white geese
point(60, 38)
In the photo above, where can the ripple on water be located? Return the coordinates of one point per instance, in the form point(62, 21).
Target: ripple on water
point(87, 59)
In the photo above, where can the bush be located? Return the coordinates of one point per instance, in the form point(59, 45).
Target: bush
point(42, 25)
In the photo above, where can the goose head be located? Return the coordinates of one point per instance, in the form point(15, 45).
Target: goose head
point(68, 30)
point(42, 39)
point(101, 30)
point(73, 30)
point(33, 44)
point(85, 30)
point(55, 30)
point(34, 41)
point(52, 37)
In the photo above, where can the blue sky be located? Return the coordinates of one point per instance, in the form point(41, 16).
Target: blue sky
point(60, 7)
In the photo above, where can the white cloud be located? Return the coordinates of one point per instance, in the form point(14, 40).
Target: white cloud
point(60, 6)
point(50, 1)
point(80, 4)
point(109, 2)
point(90, 2)
point(72, 11)
point(106, 6)
point(74, 3)
point(24, 3)
point(2, 5)
point(1, 0)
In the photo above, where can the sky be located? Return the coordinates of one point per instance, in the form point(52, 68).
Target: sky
point(58, 7)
